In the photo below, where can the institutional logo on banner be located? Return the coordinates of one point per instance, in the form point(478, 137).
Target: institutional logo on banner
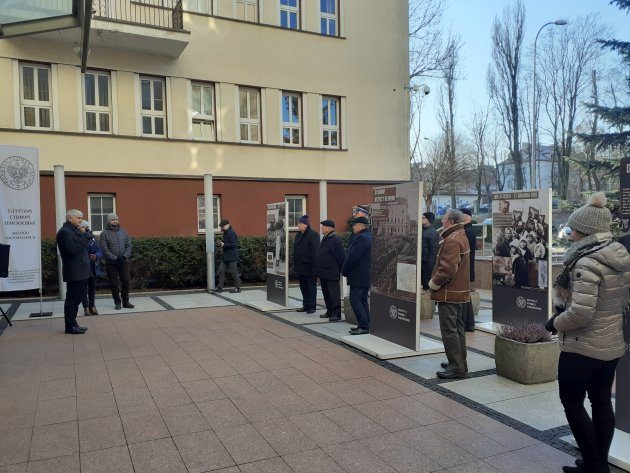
point(20, 217)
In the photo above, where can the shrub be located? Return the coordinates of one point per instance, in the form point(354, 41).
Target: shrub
point(524, 332)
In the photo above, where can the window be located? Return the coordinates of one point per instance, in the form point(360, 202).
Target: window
point(291, 119)
point(201, 213)
point(330, 122)
point(36, 103)
point(96, 102)
point(200, 6)
point(153, 107)
point(203, 123)
point(99, 205)
point(328, 20)
point(247, 10)
point(296, 208)
point(249, 113)
point(290, 14)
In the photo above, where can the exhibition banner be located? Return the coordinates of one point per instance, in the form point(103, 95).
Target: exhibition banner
point(622, 396)
point(395, 273)
point(277, 252)
point(20, 217)
point(521, 262)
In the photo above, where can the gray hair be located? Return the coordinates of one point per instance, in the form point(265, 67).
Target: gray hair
point(73, 213)
point(455, 216)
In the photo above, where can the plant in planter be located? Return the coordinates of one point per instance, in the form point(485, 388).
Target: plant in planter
point(525, 352)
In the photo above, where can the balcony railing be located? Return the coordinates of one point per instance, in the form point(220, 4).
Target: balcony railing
point(166, 14)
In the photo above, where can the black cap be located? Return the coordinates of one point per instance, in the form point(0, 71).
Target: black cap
point(430, 216)
point(466, 210)
point(224, 222)
point(362, 220)
point(328, 223)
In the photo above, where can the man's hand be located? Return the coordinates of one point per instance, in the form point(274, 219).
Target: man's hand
point(433, 286)
point(220, 243)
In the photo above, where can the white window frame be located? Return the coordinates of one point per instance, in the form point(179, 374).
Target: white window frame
point(331, 128)
point(193, 6)
point(289, 10)
point(91, 213)
point(36, 103)
point(248, 121)
point(201, 210)
point(328, 17)
point(204, 117)
point(291, 125)
point(152, 113)
point(97, 109)
point(287, 198)
point(247, 5)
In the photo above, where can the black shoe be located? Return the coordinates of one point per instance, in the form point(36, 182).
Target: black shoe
point(310, 311)
point(444, 365)
point(325, 315)
point(85, 329)
point(117, 306)
point(86, 311)
point(301, 309)
point(354, 329)
point(572, 469)
point(236, 290)
point(361, 331)
point(470, 329)
point(218, 289)
point(334, 319)
point(128, 305)
point(75, 331)
point(446, 374)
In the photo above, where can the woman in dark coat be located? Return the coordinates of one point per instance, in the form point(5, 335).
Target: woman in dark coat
point(430, 246)
point(519, 268)
point(95, 253)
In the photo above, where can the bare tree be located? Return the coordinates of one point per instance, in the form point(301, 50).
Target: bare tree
point(426, 52)
point(496, 143)
point(568, 55)
point(478, 131)
point(503, 78)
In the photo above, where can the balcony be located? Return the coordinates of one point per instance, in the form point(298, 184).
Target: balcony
point(145, 26)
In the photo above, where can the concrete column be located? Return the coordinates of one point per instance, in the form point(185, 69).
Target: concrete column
point(60, 219)
point(208, 194)
point(323, 200)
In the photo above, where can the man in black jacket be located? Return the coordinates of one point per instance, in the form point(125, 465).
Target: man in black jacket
point(229, 257)
point(472, 242)
point(304, 252)
point(328, 261)
point(430, 246)
point(116, 246)
point(357, 269)
point(76, 268)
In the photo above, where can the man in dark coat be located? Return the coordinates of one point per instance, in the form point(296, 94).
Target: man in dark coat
point(304, 252)
point(357, 269)
point(229, 257)
point(76, 268)
point(520, 275)
point(328, 261)
point(472, 242)
point(430, 246)
point(115, 244)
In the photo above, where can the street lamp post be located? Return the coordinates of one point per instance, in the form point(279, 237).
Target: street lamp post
point(533, 152)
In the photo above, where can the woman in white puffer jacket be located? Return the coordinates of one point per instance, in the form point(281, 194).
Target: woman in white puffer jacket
point(591, 293)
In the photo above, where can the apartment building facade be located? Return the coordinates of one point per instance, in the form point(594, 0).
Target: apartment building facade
point(274, 98)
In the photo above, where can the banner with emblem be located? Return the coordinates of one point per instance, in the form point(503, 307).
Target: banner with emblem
point(623, 369)
point(395, 272)
point(277, 252)
point(20, 217)
point(521, 256)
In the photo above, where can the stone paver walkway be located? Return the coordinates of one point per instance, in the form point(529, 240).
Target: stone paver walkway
point(228, 389)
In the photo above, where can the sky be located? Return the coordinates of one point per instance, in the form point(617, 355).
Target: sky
point(472, 20)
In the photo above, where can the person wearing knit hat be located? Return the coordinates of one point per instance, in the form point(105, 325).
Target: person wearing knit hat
point(430, 216)
point(304, 253)
point(469, 317)
point(430, 246)
point(591, 293)
point(115, 243)
point(95, 254)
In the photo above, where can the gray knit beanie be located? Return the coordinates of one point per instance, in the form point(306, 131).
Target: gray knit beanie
point(111, 217)
point(593, 217)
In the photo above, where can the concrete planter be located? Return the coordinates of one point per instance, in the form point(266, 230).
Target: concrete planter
point(526, 363)
point(427, 306)
point(348, 312)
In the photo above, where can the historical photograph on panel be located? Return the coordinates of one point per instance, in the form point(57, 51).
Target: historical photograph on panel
point(521, 245)
point(276, 239)
point(393, 298)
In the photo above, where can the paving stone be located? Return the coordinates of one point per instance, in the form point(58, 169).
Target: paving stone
point(202, 451)
point(320, 428)
point(402, 457)
point(444, 405)
point(435, 447)
point(14, 445)
point(346, 390)
point(168, 395)
point(97, 434)
point(143, 425)
point(538, 458)
point(284, 436)
point(312, 461)
point(468, 439)
point(294, 378)
point(475, 467)
point(17, 418)
point(94, 405)
point(64, 464)
point(400, 383)
point(203, 390)
point(221, 413)
point(386, 416)
point(134, 399)
point(56, 411)
point(156, 456)
point(320, 397)
point(272, 465)
point(93, 384)
point(375, 388)
point(356, 458)
point(110, 460)
point(257, 408)
point(184, 419)
point(15, 468)
point(244, 444)
point(189, 372)
point(50, 441)
point(354, 422)
point(501, 433)
point(415, 410)
point(290, 403)
point(266, 382)
point(236, 386)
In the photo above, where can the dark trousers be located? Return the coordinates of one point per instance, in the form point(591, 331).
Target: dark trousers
point(469, 317)
point(90, 294)
point(332, 296)
point(118, 277)
point(579, 375)
point(453, 335)
point(360, 306)
point(232, 267)
point(308, 287)
point(75, 290)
